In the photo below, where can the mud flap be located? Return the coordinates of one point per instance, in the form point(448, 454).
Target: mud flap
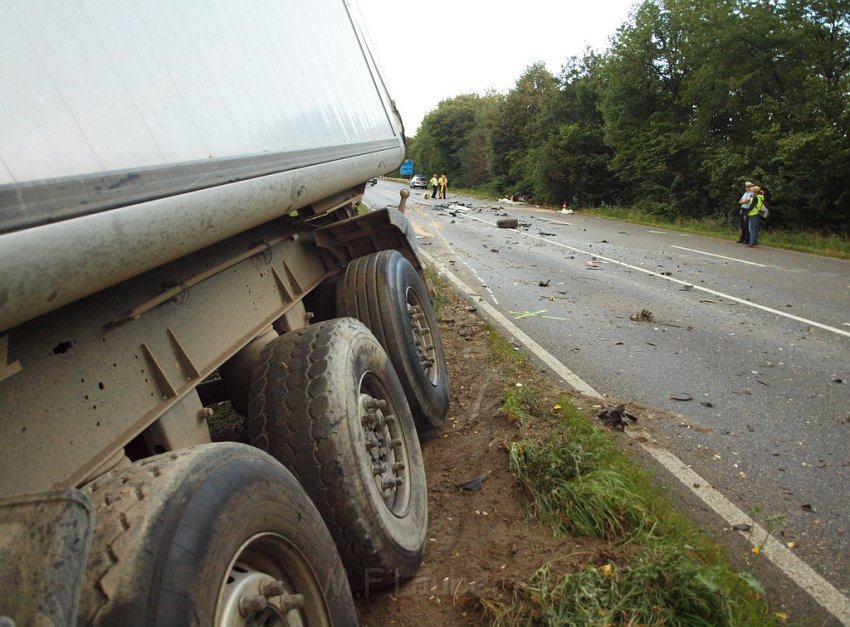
point(44, 546)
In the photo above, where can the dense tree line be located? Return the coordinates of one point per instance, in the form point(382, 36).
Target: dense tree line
point(691, 98)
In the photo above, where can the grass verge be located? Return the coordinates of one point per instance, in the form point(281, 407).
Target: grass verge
point(660, 569)
point(825, 244)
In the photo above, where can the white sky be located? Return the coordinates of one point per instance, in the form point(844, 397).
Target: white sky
point(431, 51)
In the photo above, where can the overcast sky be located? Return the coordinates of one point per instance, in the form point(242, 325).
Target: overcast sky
point(443, 48)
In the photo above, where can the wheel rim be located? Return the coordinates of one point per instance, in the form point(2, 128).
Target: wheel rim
point(422, 336)
point(270, 583)
point(385, 445)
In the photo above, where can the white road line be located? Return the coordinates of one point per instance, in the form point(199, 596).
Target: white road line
point(437, 230)
point(664, 277)
point(565, 373)
point(796, 569)
point(702, 252)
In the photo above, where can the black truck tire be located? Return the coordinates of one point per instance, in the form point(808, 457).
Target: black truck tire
point(213, 534)
point(326, 402)
point(384, 291)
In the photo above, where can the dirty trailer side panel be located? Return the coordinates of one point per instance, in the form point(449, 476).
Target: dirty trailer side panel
point(144, 143)
point(177, 181)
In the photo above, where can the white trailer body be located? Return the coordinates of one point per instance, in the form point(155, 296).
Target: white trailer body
point(118, 117)
point(179, 186)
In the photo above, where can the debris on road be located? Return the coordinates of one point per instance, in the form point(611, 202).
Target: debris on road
point(544, 283)
point(507, 223)
point(645, 315)
point(742, 527)
point(681, 397)
point(614, 416)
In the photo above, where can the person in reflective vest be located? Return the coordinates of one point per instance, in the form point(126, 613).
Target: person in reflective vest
point(754, 216)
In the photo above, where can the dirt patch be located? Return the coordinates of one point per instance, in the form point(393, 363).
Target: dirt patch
point(479, 541)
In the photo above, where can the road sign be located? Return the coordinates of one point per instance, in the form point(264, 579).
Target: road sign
point(407, 167)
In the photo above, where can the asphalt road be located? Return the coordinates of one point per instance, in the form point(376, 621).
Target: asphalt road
point(749, 349)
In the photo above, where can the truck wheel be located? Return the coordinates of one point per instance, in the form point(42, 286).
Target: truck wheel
point(384, 292)
point(326, 402)
point(216, 534)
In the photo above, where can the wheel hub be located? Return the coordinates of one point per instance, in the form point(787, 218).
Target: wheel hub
point(422, 336)
point(253, 598)
point(385, 450)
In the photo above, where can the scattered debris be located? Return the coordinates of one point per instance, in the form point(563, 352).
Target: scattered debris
point(681, 397)
point(837, 379)
point(706, 403)
point(807, 507)
point(742, 527)
point(614, 416)
point(547, 234)
point(507, 223)
point(544, 283)
point(474, 485)
point(645, 315)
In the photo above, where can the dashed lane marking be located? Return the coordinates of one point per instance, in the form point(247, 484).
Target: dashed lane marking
point(685, 284)
point(702, 252)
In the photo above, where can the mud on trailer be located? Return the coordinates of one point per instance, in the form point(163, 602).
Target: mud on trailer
point(179, 227)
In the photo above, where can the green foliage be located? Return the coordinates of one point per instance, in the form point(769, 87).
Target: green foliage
point(660, 571)
point(664, 586)
point(692, 98)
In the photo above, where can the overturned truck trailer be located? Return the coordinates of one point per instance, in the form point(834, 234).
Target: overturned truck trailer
point(179, 227)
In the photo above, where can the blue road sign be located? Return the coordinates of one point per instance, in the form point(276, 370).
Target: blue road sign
point(407, 167)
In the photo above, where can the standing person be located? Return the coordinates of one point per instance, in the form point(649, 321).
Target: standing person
point(444, 185)
point(743, 211)
point(433, 183)
point(754, 216)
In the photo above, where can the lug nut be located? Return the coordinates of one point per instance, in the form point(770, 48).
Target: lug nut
point(292, 602)
point(396, 442)
point(251, 604)
point(271, 589)
point(379, 469)
point(374, 403)
point(398, 466)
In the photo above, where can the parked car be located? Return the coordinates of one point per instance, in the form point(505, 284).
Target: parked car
point(419, 181)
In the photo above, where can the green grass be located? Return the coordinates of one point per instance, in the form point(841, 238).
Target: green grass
point(437, 288)
point(663, 586)
point(827, 245)
point(659, 569)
